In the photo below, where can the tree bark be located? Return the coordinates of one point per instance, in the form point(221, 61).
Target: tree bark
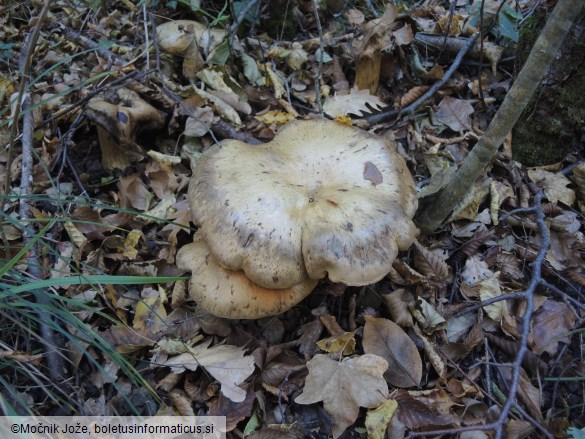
point(536, 66)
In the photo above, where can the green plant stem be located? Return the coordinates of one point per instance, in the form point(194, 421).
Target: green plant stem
point(534, 69)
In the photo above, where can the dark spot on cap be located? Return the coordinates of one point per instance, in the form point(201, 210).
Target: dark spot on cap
point(122, 117)
point(372, 173)
point(275, 279)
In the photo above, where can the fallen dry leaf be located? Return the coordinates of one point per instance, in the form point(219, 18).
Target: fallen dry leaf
point(227, 364)
point(555, 186)
point(388, 340)
point(356, 102)
point(344, 343)
point(345, 386)
point(430, 264)
point(552, 323)
point(377, 420)
point(455, 113)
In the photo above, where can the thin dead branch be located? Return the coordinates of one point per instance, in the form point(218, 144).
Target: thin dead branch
point(321, 54)
point(391, 114)
point(55, 362)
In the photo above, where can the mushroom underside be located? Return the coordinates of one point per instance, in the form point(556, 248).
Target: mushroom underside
point(231, 294)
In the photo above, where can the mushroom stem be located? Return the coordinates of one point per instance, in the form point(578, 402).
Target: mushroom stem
point(113, 156)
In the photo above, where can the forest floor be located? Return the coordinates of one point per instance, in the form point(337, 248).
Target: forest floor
point(476, 332)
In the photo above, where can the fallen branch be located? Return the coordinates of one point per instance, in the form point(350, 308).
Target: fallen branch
point(55, 363)
point(391, 114)
point(86, 43)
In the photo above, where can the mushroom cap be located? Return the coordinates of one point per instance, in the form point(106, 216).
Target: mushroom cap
point(122, 114)
point(321, 198)
point(181, 36)
point(230, 294)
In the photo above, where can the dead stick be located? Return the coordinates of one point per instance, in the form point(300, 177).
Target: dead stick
point(390, 114)
point(90, 44)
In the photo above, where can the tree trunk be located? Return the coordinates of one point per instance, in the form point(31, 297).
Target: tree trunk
point(516, 100)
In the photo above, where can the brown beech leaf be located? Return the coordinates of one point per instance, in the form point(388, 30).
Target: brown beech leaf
point(233, 411)
point(550, 325)
point(412, 95)
point(416, 414)
point(309, 334)
point(345, 386)
point(276, 372)
point(133, 192)
point(182, 402)
point(398, 303)
point(430, 264)
point(388, 340)
point(455, 113)
point(529, 395)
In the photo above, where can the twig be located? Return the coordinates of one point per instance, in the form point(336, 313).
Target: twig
point(55, 362)
point(390, 114)
point(26, 60)
point(372, 9)
point(146, 34)
point(321, 54)
point(90, 44)
point(239, 19)
point(227, 131)
point(63, 156)
point(525, 333)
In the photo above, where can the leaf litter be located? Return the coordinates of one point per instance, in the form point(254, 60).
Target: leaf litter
point(405, 354)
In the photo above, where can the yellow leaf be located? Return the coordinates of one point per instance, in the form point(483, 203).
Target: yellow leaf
point(130, 243)
point(377, 420)
point(488, 289)
point(344, 343)
point(467, 209)
point(344, 119)
point(275, 117)
point(149, 315)
point(76, 236)
point(275, 81)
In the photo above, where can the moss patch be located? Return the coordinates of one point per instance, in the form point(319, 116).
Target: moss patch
point(551, 126)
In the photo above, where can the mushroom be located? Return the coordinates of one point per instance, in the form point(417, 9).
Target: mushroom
point(321, 199)
point(186, 38)
point(119, 117)
point(230, 294)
